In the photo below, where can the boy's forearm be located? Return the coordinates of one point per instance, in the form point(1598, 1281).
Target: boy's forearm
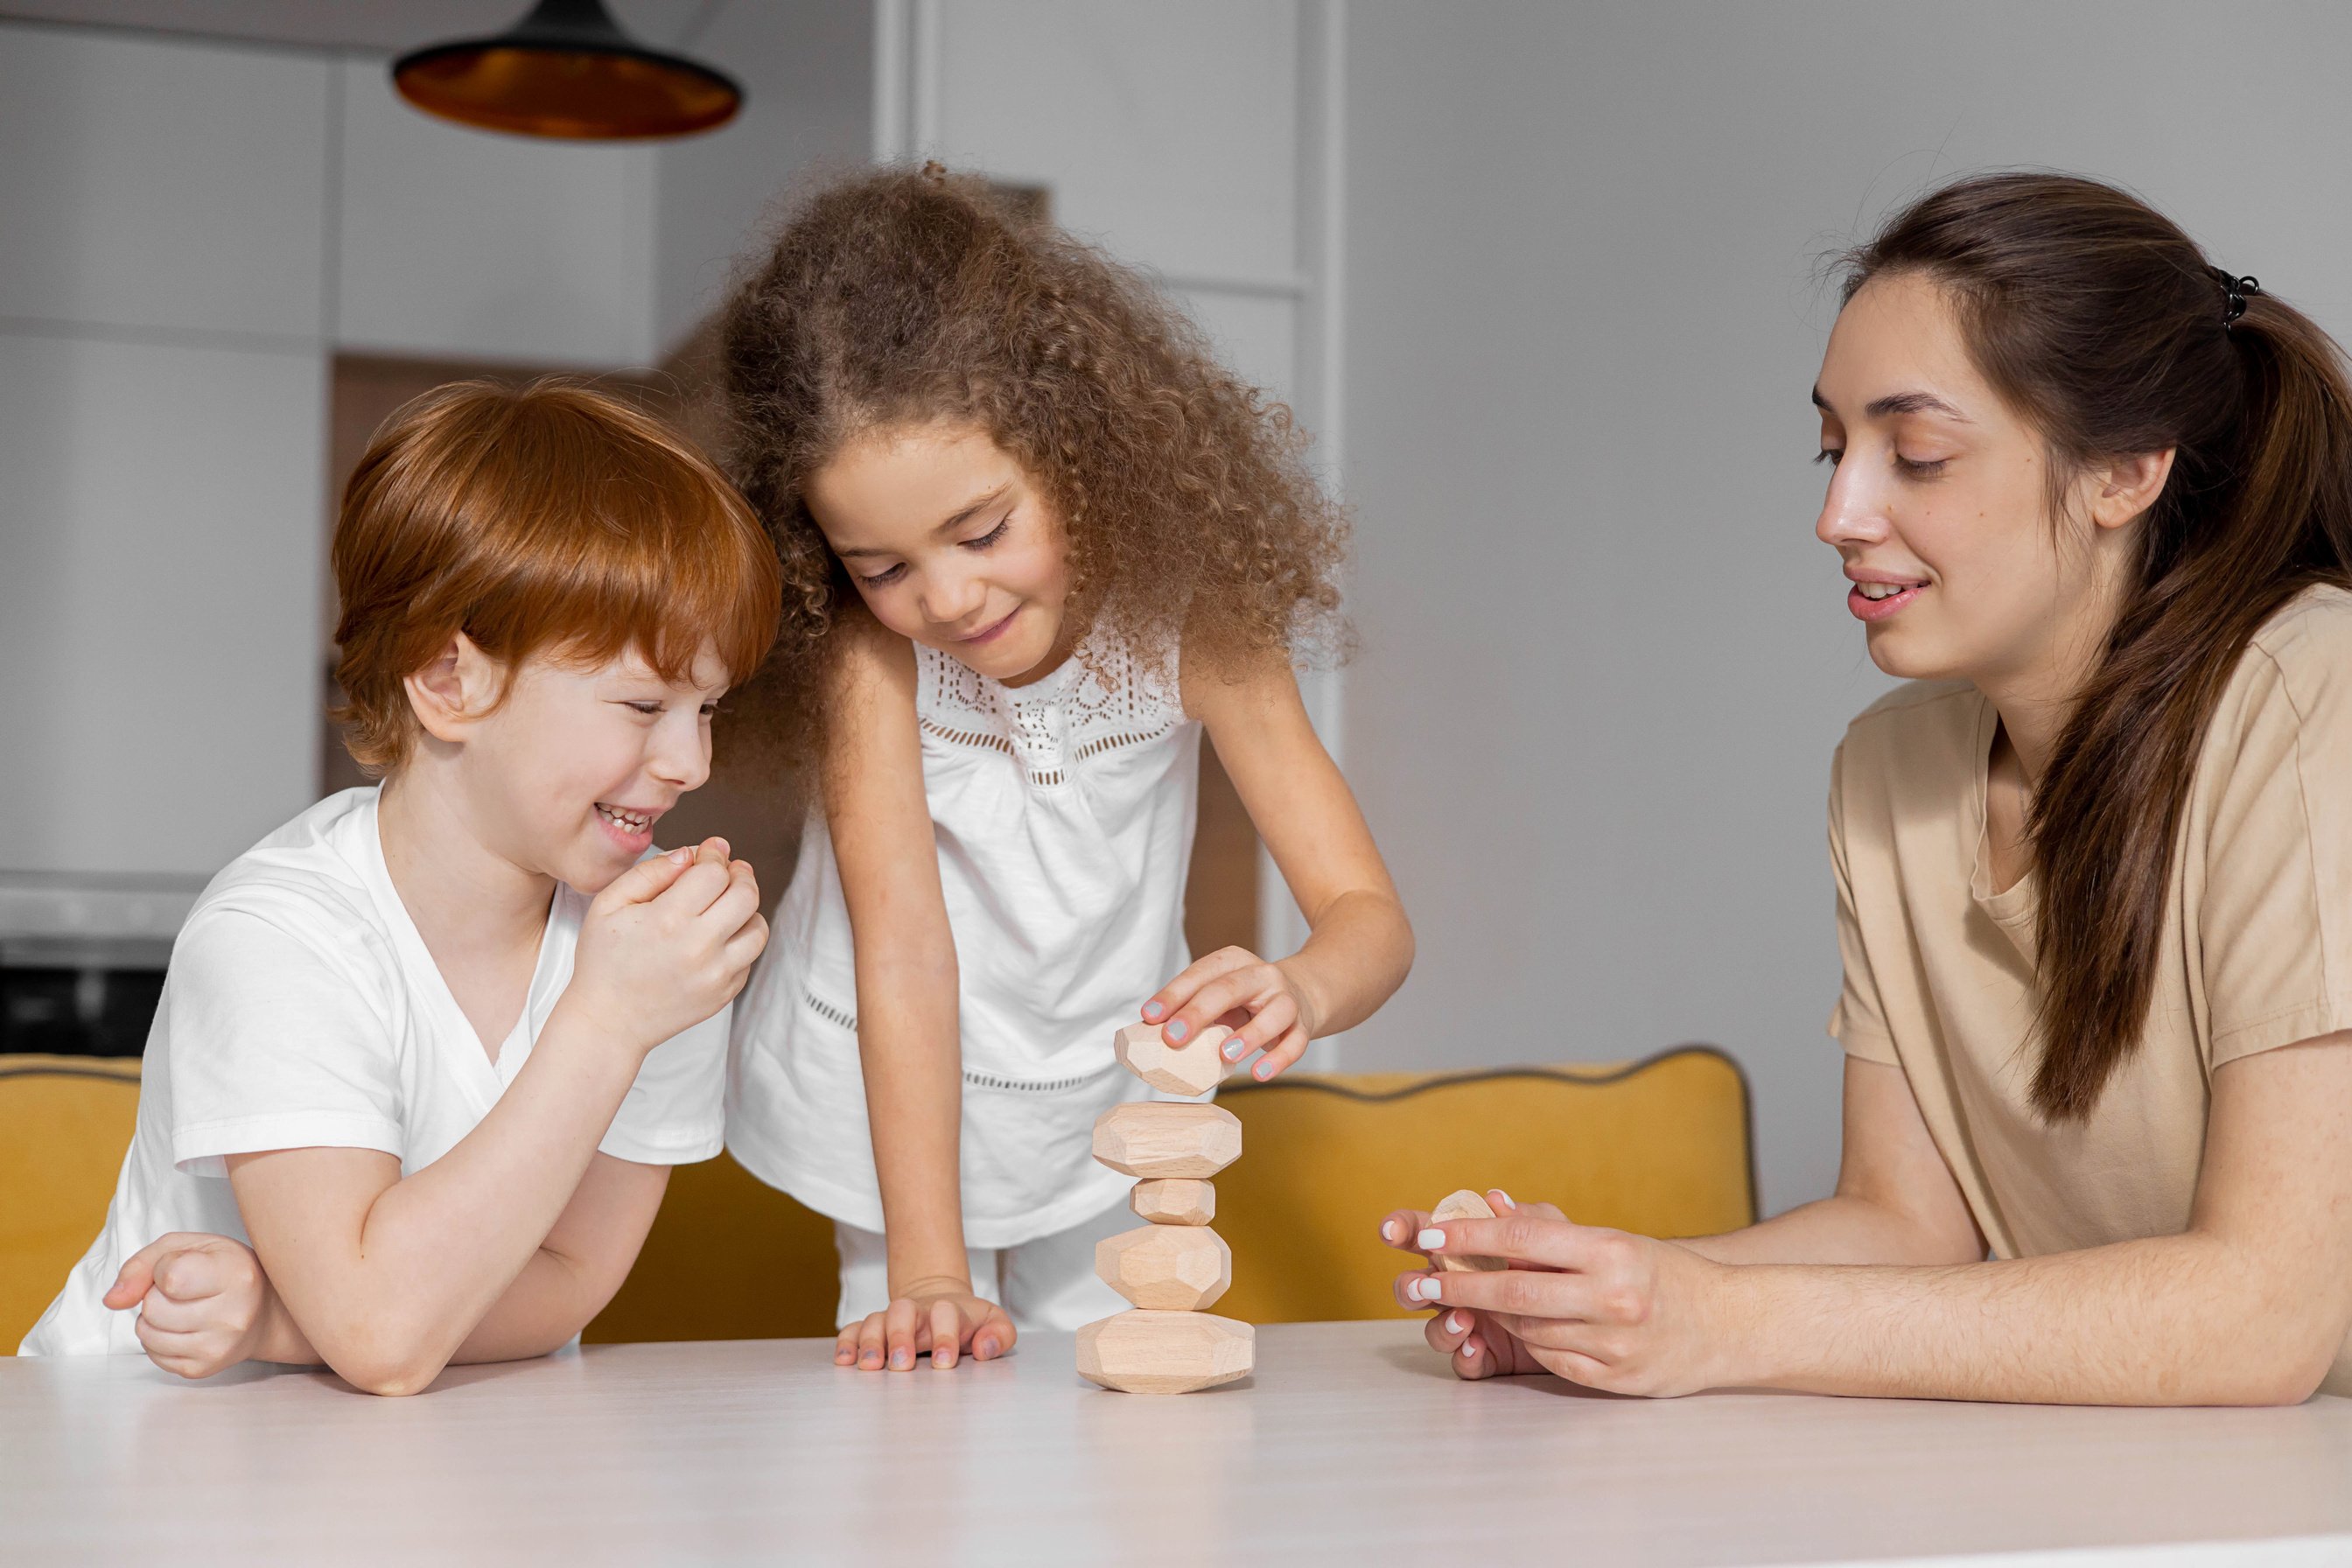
point(436, 1250)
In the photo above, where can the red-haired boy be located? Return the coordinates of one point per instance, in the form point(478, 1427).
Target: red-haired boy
point(431, 1047)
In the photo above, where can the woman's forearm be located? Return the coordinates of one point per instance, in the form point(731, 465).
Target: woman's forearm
point(1358, 950)
point(2156, 1322)
point(1840, 1230)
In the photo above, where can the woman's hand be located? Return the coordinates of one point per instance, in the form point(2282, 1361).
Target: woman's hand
point(202, 1301)
point(939, 1316)
point(1602, 1308)
point(1261, 1002)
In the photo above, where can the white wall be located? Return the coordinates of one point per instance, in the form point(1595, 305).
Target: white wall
point(162, 225)
point(188, 232)
point(807, 70)
point(1605, 661)
point(474, 245)
point(1196, 142)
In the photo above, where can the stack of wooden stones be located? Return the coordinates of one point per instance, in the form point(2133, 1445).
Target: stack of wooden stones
point(1176, 1266)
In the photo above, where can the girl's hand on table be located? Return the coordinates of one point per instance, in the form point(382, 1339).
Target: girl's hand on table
point(1258, 1000)
point(939, 1316)
point(201, 1301)
point(1623, 1314)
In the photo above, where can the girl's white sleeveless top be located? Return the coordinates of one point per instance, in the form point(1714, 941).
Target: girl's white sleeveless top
point(1063, 813)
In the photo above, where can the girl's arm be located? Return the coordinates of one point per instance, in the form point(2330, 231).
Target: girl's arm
point(2249, 1305)
point(908, 1044)
point(1359, 944)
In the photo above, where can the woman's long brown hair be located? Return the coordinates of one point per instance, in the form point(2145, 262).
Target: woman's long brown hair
point(2106, 327)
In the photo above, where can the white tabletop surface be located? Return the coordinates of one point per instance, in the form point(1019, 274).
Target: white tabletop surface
point(1352, 1444)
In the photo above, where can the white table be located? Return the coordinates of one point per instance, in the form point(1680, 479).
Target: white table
point(1352, 1444)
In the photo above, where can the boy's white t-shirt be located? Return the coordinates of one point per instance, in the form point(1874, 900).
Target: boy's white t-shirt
point(301, 1010)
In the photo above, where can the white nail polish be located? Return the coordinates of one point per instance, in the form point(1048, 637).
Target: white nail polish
point(1456, 1323)
point(1431, 1238)
point(1234, 1049)
point(1469, 1349)
point(1425, 1289)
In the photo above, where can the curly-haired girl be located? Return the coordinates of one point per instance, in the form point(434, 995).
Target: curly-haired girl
point(1034, 541)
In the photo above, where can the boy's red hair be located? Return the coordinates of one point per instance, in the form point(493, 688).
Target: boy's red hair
point(545, 518)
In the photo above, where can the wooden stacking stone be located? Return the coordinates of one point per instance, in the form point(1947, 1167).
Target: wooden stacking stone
point(1172, 1200)
point(1190, 1069)
point(1178, 1269)
point(1165, 1353)
point(1152, 1139)
point(1175, 1266)
point(1464, 1204)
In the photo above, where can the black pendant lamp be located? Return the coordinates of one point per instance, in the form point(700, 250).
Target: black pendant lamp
point(566, 71)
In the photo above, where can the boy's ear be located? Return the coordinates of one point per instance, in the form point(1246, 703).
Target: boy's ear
point(456, 689)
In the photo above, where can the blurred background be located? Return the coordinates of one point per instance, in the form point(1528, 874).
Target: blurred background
point(1546, 280)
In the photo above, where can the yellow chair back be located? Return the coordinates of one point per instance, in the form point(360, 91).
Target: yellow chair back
point(65, 1125)
point(729, 1258)
point(1660, 1147)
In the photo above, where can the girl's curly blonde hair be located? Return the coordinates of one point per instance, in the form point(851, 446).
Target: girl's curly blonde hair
point(911, 297)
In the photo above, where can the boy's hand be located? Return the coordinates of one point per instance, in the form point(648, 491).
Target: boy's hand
point(201, 1301)
point(942, 1315)
point(1257, 1000)
point(668, 943)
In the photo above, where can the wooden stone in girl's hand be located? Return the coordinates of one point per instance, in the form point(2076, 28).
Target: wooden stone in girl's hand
point(1464, 1204)
point(1151, 1138)
point(1193, 1067)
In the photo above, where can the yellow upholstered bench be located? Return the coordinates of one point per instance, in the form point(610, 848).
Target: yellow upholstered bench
point(1661, 1147)
point(65, 1122)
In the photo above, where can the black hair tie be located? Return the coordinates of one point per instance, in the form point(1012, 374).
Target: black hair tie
point(2238, 288)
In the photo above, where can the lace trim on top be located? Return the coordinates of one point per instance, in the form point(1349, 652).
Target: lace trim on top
point(1070, 716)
point(841, 1017)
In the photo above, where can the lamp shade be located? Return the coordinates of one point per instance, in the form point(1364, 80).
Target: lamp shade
point(566, 71)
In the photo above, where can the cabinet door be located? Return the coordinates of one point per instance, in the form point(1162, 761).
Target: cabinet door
point(159, 590)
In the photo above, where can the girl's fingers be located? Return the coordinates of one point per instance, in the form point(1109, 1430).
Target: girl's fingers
point(1285, 1052)
point(994, 1336)
point(947, 1330)
point(844, 1346)
point(1240, 987)
point(1165, 1003)
point(171, 1315)
point(898, 1333)
point(1265, 1030)
point(869, 1343)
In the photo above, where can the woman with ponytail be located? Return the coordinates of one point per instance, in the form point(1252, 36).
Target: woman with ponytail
point(2092, 496)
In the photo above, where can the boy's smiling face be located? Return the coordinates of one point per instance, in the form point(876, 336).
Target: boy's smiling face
point(950, 544)
point(567, 776)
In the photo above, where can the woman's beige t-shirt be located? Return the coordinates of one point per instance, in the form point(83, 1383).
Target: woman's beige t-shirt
point(2257, 946)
